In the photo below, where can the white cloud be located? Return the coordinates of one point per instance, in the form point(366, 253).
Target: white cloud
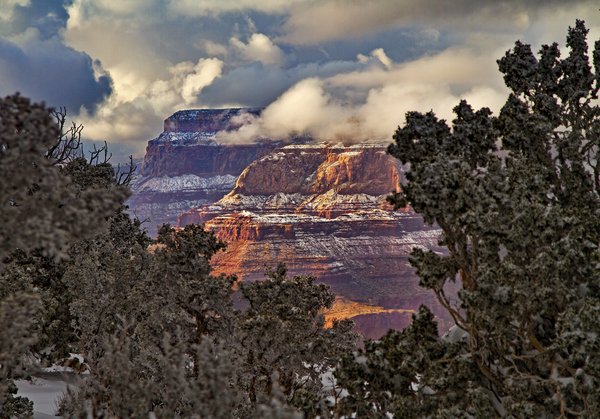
point(156, 67)
point(378, 55)
point(259, 48)
point(137, 115)
point(198, 77)
point(431, 83)
point(212, 48)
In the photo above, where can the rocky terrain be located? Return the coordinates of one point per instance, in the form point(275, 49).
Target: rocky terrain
point(185, 166)
point(321, 208)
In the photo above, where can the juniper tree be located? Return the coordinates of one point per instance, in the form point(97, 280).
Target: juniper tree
point(43, 210)
point(282, 332)
point(41, 207)
point(181, 318)
point(517, 200)
point(16, 314)
point(150, 322)
point(130, 380)
point(180, 292)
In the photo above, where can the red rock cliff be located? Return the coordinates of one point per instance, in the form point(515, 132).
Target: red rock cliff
point(322, 210)
point(185, 167)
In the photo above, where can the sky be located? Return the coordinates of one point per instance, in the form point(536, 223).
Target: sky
point(335, 69)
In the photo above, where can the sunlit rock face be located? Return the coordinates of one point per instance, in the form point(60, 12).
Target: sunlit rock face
point(185, 166)
point(321, 209)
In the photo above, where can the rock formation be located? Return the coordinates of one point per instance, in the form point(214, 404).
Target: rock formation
point(185, 166)
point(321, 209)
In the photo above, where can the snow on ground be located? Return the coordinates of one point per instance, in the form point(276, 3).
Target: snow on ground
point(44, 393)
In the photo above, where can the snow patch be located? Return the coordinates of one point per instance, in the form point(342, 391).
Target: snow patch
point(167, 184)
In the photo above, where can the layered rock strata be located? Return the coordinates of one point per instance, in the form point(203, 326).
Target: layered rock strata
point(321, 209)
point(185, 166)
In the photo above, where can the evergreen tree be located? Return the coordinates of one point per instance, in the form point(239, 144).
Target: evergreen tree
point(282, 333)
point(42, 208)
point(517, 200)
point(45, 207)
point(155, 325)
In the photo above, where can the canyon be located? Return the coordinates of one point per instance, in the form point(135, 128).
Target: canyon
point(185, 166)
point(319, 207)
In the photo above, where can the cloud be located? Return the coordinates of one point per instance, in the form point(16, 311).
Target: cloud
point(332, 68)
point(138, 119)
point(35, 61)
point(259, 48)
point(47, 70)
point(257, 85)
point(311, 23)
point(47, 16)
point(314, 106)
point(195, 78)
point(378, 54)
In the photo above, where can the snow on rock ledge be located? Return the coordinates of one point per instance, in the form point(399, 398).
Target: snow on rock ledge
point(322, 209)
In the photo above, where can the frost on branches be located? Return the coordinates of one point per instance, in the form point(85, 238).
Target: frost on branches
point(517, 197)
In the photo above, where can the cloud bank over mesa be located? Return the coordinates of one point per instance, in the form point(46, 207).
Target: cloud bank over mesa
point(334, 69)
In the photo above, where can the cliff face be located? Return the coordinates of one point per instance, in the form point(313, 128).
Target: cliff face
point(201, 159)
point(210, 120)
point(322, 210)
point(318, 207)
point(185, 167)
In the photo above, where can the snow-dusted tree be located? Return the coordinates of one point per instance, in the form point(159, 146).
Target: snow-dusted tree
point(164, 361)
point(16, 316)
point(179, 292)
point(183, 320)
point(43, 209)
point(100, 278)
point(53, 197)
point(129, 380)
point(282, 332)
point(517, 198)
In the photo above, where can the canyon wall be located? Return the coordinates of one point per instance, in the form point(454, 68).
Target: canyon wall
point(185, 166)
point(321, 208)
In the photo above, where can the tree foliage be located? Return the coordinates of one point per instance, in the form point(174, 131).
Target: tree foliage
point(41, 207)
point(159, 333)
point(517, 200)
point(51, 197)
point(282, 332)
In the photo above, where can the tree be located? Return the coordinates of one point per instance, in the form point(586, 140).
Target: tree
point(44, 208)
point(41, 207)
point(16, 313)
point(151, 322)
point(517, 198)
point(155, 325)
point(180, 293)
point(282, 332)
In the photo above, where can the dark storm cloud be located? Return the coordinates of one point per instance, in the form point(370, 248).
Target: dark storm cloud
point(256, 85)
point(48, 16)
point(52, 72)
